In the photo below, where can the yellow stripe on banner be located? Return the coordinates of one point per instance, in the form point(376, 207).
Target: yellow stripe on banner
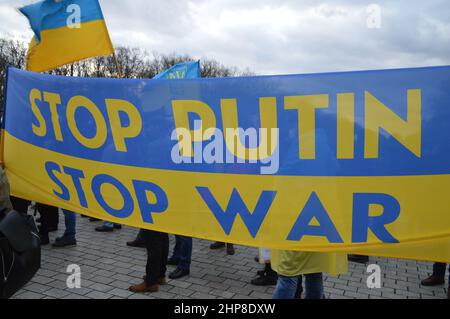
point(423, 227)
point(67, 45)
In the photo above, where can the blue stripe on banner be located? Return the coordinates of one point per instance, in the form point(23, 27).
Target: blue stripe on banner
point(386, 89)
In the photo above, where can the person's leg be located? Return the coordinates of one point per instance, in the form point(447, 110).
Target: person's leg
point(299, 291)
point(184, 255)
point(20, 205)
point(152, 269)
point(438, 276)
point(68, 239)
point(155, 250)
point(267, 277)
point(314, 286)
point(230, 249)
point(286, 287)
point(139, 241)
point(175, 259)
point(46, 221)
point(70, 221)
point(49, 216)
point(448, 289)
point(164, 256)
point(439, 269)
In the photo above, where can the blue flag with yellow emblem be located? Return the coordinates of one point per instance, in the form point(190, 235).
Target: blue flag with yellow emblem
point(187, 70)
point(65, 31)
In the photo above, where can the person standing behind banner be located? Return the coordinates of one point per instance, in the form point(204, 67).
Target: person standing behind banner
point(157, 245)
point(291, 265)
point(68, 238)
point(266, 277)
point(438, 277)
point(182, 255)
point(49, 221)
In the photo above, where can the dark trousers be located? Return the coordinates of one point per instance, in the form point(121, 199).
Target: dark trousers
point(140, 236)
point(20, 205)
point(439, 270)
point(182, 251)
point(157, 245)
point(49, 217)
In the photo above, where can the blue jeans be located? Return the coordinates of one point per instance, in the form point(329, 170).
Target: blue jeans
point(182, 251)
point(287, 287)
point(70, 220)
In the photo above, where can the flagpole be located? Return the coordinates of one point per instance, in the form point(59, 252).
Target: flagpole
point(119, 74)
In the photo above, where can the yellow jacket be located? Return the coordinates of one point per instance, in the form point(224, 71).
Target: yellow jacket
point(295, 263)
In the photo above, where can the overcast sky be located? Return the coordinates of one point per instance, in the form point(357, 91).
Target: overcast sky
point(277, 36)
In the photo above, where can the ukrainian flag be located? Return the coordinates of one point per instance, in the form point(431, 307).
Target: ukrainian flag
point(65, 31)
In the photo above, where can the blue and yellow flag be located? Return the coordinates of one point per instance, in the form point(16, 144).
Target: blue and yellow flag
point(65, 32)
point(187, 70)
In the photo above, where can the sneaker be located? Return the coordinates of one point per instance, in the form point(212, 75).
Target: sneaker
point(64, 242)
point(117, 226)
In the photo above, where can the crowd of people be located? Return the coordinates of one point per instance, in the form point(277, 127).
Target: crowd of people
point(295, 274)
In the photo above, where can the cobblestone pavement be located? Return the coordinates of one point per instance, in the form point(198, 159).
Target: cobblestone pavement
point(108, 267)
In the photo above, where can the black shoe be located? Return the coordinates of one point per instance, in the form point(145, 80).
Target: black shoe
point(433, 280)
point(230, 249)
point(64, 242)
point(179, 273)
point(217, 245)
point(104, 229)
point(265, 281)
point(136, 243)
point(92, 219)
point(257, 259)
point(172, 262)
point(360, 259)
point(260, 273)
point(117, 226)
point(44, 239)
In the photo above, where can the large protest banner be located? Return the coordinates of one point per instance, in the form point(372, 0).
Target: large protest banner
point(355, 162)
